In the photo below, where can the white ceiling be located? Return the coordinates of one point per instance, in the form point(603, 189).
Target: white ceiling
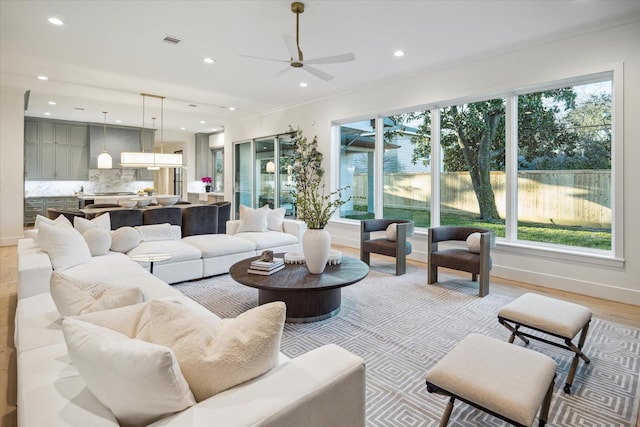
point(108, 52)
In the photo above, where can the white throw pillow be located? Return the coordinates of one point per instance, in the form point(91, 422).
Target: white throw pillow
point(73, 296)
point(214, 355)
point(61, 219)
point(130, 320)
point(253, 219)
point(275, 219)
point(98, 240)
point(138, 381)
point(473, 242)
point(102, 221)
point(392, 232)
point(64, 245)
point(124, 239)
point(153, 232)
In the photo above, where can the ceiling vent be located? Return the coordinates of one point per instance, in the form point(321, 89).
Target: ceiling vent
point(171, 39)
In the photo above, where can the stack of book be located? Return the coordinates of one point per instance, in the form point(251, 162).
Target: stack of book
point(266, 267)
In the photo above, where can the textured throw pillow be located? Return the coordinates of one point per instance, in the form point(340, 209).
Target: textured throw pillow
point(253, 219)
point(392, 232)
point(73, 296)
point(473, 242)
point(64, 245)
point(138, 381)
point(124, 239)
point(275, 219)
point(82, 224)
point(150, 233)
point(214, 355)
point(98, 240)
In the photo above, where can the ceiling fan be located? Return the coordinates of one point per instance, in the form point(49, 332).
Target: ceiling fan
point(297, 59)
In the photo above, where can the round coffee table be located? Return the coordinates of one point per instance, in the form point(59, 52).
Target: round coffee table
point(309, 297)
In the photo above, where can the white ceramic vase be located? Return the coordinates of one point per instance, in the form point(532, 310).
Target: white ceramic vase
point(316, 244)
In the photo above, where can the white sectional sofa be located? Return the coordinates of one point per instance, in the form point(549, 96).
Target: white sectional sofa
point(323, 387)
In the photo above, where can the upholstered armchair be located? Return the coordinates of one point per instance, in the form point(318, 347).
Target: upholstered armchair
point(477, 263)
point(398, 247)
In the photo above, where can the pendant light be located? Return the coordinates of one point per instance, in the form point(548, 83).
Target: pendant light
point(104, 160)
point(151, 160)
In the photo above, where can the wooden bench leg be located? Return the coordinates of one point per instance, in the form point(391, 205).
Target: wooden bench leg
point(546, 404)
point(576, 358)
point(447, 413)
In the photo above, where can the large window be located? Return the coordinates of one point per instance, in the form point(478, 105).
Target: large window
point(357, 145)
point(564, 165)
point(472, 140)
point(534, 165)
point(407, 166)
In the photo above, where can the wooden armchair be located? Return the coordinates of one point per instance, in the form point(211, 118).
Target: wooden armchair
point(399, 248)
point(460, 259)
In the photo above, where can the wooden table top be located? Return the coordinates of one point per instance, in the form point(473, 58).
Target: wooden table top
point(296, 277)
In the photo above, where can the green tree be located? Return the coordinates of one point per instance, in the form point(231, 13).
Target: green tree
point(473, 137)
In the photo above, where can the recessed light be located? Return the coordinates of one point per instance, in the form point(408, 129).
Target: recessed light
point(202, 122)
point(209, 60)
point(47, 114)
point(43, 78)
point(52, 102)
point(398, 53)
point(118, 121)
point(232, 108)
point(303, 84)
point(183, 128)
point(55, 21)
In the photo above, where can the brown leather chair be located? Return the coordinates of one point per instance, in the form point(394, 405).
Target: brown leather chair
point(478, 264)
point(399, 248)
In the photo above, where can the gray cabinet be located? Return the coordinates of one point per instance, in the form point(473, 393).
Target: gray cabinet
point(146, 145)
point(55, 150)
point(34, 206)
point(204, 162)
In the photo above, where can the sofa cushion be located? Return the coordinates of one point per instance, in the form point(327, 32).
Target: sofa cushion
point(98, 240)
point(270, 239)
point(214, 355)
point(149, 233)
point(138, 381)
point(64, 245)
point(124, 239)
point(253, 219)
point(213, 245)
point(74, 296)
point(178, 250)
point(83, 224)
point(275, 219)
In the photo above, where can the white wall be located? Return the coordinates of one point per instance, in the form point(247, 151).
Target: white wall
point(591, 53)
point(11, 165)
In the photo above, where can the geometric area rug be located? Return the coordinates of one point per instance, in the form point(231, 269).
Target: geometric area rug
point(401, 327)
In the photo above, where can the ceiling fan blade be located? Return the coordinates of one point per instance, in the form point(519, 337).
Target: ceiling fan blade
point(320, 74)
point(345, 57)
point(279, 73)
point(263, 58)
point(292, 47)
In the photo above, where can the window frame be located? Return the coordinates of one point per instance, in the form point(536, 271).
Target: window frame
point(609, 258)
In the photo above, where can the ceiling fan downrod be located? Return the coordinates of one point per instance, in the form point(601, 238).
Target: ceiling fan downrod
point(297, 7)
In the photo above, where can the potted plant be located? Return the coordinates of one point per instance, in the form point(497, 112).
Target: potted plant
point(206, 180)
point(314, 205)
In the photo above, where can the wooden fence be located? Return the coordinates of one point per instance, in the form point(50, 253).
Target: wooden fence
point(574, 197)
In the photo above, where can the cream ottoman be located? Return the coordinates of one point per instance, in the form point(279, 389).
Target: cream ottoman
point(557, 318)
point(507, 381)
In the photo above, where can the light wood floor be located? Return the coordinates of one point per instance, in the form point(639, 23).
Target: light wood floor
point(612, 311)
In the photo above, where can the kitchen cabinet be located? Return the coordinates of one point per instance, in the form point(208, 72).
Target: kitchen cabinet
point(34, 206)
point(55, 150)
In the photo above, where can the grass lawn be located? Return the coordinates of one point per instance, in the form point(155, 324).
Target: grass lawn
point(595, 238)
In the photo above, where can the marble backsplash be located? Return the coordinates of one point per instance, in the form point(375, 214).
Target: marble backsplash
point(100, 181)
